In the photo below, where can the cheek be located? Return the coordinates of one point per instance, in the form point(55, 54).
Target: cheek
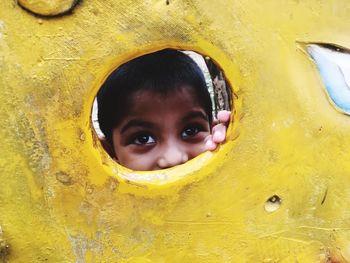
point(140, 162)
point(197, 149)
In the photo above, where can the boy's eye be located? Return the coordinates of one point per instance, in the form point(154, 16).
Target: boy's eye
point(190, 131)
point(144, 139)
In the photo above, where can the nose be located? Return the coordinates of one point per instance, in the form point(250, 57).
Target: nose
point(172, 155)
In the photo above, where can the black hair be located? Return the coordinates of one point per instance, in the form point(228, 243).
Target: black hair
point(161, 72)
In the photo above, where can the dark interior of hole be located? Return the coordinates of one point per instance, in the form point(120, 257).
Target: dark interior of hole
point(222, 90)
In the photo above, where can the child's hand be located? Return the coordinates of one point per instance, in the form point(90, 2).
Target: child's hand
point(218, 132)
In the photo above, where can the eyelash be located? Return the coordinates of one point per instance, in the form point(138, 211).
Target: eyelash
point(198, 128)
point(139, 136)
point(150, 140)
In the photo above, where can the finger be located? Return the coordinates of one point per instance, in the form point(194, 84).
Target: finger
point(215, 121)
point(219, 133)
point(209, 144)
point(224, 116)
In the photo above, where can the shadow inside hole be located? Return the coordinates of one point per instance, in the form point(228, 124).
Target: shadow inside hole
point(218, 88)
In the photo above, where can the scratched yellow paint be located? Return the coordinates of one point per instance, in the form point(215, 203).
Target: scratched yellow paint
point(277, 191)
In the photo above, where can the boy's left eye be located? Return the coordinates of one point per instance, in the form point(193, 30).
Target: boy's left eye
point(143, 140)
point(190, 131)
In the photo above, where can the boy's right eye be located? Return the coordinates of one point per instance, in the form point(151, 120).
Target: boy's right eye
point(190, 131)
point(143, 139)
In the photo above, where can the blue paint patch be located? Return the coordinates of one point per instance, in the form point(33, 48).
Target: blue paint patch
point(334, 67)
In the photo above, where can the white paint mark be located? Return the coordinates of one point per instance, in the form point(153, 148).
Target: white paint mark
point(334, 67)
point(2, 28)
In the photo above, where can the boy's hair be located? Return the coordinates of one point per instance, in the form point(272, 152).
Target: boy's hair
point(161, 72)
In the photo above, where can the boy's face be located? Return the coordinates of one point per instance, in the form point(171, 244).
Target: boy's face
point(160, 131)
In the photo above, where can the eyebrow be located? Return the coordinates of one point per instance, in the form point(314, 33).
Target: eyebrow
point(136, 123)
point(195, 114)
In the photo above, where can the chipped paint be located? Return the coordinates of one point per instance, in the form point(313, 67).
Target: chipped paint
point(333, 63)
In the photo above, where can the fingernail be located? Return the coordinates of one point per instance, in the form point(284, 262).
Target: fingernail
point(210, 145)
point(218, 137)
point(224, 115)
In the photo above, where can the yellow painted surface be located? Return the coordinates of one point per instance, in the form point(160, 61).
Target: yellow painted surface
point(63, 200)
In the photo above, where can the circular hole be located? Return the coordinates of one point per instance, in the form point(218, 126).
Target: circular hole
point(160, 110)
point(273, 204)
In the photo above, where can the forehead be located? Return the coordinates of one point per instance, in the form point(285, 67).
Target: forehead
point(180, 96)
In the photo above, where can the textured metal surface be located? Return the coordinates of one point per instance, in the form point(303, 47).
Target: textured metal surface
point(277, 191)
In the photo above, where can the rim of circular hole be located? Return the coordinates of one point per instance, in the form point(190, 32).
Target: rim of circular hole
point(191, 169)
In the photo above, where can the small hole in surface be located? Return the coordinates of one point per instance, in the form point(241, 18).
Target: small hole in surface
point(273, 204)
point(157, 111)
